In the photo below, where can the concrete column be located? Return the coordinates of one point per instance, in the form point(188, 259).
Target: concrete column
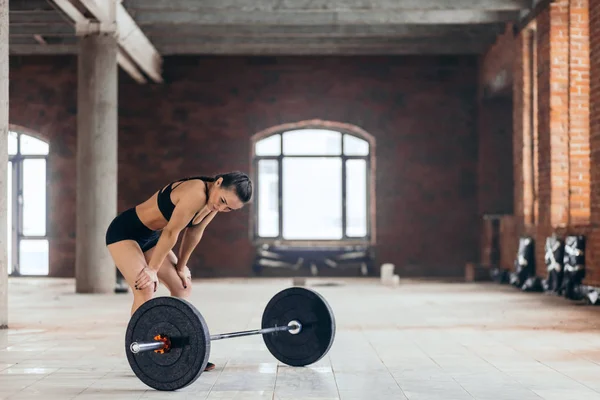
point(96, 161)
point(3, 162)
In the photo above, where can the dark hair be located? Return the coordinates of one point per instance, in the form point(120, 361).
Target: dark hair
point(239, 181)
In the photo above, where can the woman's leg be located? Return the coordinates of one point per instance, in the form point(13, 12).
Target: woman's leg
point(130, 260)
point(167, 274)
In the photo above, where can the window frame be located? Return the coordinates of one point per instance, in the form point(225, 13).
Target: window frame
point(17, 205)
point(369, 159)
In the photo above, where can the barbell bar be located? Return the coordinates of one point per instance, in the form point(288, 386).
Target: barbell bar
point(294, 327)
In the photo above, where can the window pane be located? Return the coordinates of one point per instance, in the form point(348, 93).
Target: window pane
point(312, 142)
point(31, 145)
point(34, 197)
point(12, 143)
point(33, 257)
point(268, 198)
point(9, 201)
point(312, 198)
point(354, 146)
point(270, 146)
point(356, 198)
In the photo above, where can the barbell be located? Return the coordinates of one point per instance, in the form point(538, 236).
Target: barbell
point(168, 342)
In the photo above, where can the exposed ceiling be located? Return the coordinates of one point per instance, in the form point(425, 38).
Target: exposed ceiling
point(280, 27)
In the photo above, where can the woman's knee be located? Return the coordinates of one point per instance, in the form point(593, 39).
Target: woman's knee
point(143, 295)
point(182, 292)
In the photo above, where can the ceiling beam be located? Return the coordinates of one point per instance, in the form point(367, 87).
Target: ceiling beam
point(78, 18)
point(138, 46)
point(217, 42)
point(130, 37)
point(324, 49)
point(64, 29)
point(234, 17)
point(35, 17)
point(342, 31)
point(14, 40)
point(276, 5)
point(282, 50)
point(130, 67)
point(35, 49)
point(29, 5)
point(323, 30)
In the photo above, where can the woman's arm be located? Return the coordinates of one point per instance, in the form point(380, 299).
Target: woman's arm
point(191, 238)
point(184, 211)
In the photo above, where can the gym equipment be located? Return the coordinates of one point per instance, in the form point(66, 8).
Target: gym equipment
point(524, 262)
point(574, 267)
point(554, 258)
point(168, 342)
point(316, 261)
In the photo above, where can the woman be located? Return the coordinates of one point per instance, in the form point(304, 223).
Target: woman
point(141, 239)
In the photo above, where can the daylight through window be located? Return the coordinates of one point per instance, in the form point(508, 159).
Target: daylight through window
point(312, 184)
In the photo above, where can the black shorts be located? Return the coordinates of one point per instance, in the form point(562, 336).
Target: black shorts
point(127, 226)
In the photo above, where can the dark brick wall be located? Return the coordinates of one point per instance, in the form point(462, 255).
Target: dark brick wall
point(495, 155)
point(43, 99)
point(422, 112)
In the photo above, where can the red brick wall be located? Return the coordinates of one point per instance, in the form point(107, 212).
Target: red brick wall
point(43, 98)
point(563, 87)
point(564, 175)
point(594, 34)
point(579, 109)
point(420, 110)
point(594, 29)
point(523, 197)
point(553, 114)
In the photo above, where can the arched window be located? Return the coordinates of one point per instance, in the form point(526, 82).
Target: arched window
point(313, 184)
point(27, 205)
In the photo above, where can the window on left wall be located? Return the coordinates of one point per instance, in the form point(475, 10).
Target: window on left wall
point(27, 201)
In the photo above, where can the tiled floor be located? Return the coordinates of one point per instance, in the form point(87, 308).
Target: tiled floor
point(415, 341)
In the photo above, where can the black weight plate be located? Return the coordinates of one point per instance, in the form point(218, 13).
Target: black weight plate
point(185, 326)
point(318, 326)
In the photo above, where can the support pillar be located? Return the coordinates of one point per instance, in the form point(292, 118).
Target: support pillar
point(3, 163)
point(97, 101)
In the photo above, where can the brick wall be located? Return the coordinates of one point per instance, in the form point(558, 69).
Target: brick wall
point(43, 98)
point(559, 174)
point(495, 156)
point(509, 53)
point(509, 230)
point(594, 34)
point(553, 114)
point(579, 110)
point(594, 29)
point(201, 120)
point(495, 125)
point(523, 198)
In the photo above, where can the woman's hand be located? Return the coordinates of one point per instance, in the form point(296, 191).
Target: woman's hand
point(145, 278)
point(185, 275)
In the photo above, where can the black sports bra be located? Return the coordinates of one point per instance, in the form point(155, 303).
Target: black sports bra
point(166, 206)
